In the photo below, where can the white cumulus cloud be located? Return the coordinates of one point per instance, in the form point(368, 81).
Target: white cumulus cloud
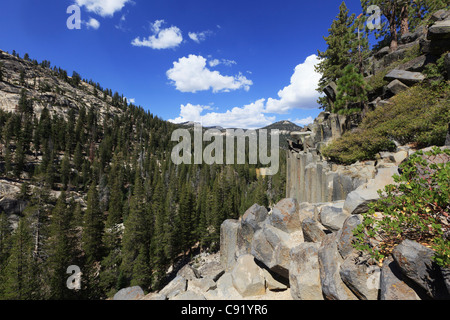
point(301, 92)
point(162, 38)
point(250, 116)
point(93, 24)
point(104, 8)
point(304, 122)
point(190, 74)
point(198, 36)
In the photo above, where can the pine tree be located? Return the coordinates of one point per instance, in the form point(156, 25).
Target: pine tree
point(341, 50)
point(92, 227)
point(136, 237)
point(351, 91)
point(397, 14)
point(21, 272)
point(65, 170)
point(25, 106)
point(5, 247)
point(91, 244)
point(113, 233)
point(1, 71)
point(61, 250)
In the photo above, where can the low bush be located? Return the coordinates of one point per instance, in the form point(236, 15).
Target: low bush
point(417, 207)
point(419, 115)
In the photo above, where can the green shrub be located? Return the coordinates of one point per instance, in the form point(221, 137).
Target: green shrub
point(419, 115)
point(417, 207)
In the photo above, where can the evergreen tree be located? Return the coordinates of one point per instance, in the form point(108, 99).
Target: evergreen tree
point(21, 274)
point(1, 71)
point(136, 237)
point(341, 50)
point(91, 243)
point(60, 248)
point(92, 227)
point(351, 91)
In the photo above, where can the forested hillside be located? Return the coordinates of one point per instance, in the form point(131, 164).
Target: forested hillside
point(98, 188)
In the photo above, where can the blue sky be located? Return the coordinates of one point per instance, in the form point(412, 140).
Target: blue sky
point(230, 63)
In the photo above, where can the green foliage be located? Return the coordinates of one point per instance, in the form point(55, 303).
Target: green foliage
point(344, 46)
point(416, 207)
point(419, 115)
point(143, 212)
point(351, 91)
point(435, 70)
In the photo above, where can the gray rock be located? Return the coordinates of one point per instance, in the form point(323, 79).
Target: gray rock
point(357, 201)
point(202, 285)
point(271, 247)
point(247, 277)
point(330, 90)
point(174, 287)
point(330, 261)
point(312, 231)
point(382, 52)
point(285, 215)
point(228, 243)
point(306, 210)
point(438, 15)
point(439, 30)
point(416, 262)
point(304, 272)
point(272, 283)
point(396, 86)
point(362, 280)
point(131, 293)
point(225, 288)
point(251, 221)
point(332, 216)
point(154, 296)
point(410, 37)
point(189, 295)
point(417, 64)
point(446, 276)
point(188, 272)
point(393, 285)
point(407, 77)
point(345, 235)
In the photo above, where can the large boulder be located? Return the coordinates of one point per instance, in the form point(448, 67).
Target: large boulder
point(271, 246)
point(332, 216)
point(189, 273)
point(228, 243)
point(393, 284)
point(416, 262)
point(248, 278)
point(189, 295)
point(312, 230)
point(357, 201)
point(175, 287)
point(330, 261)
point(345, 235)
point(131, 293)
point(285, 215)
point(251, 222)
point(330, 91)
point(363, 280)
point(439, 30)
point(396, 86)
point(304, 272)
point(407, 77)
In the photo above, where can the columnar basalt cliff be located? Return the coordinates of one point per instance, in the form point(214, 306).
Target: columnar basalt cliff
point(302, 248)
